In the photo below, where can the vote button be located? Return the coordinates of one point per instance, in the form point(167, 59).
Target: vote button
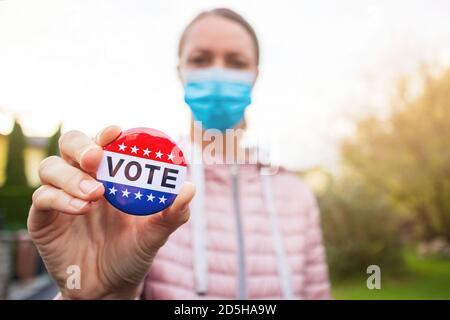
point(142, 171)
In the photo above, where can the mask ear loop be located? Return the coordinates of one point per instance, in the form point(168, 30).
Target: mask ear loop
point(199, 223)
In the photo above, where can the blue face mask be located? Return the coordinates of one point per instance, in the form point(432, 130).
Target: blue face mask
point(218, 97)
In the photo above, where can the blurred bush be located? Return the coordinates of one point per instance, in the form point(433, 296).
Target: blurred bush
point(359, 229)
point(15, 202)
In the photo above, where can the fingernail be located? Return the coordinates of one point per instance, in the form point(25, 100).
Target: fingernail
point(77, 203)
point(89, 149)
point(89, 186)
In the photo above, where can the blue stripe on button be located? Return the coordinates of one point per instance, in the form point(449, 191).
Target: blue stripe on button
point(135, 206)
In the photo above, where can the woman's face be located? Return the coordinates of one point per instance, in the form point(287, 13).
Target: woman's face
point(214, 41)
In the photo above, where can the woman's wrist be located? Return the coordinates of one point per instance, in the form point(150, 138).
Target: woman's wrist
point(127, 295)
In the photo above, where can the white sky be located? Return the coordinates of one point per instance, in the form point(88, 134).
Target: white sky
point(91, 63)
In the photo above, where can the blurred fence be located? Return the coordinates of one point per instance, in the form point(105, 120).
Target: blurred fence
point(19, 260)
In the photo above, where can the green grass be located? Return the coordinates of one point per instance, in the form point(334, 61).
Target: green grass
point(424, 278)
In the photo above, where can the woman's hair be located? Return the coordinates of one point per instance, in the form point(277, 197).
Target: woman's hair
point(227, 14)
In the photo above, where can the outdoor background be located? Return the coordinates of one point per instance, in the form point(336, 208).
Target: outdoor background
point(355, 94)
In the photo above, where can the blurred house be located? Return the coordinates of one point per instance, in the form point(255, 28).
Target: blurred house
point(34, 153)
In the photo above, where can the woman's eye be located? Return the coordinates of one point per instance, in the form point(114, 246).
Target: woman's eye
point(237, 64)
point(198, 60)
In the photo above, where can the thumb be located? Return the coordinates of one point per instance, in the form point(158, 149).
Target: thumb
point(160, 225)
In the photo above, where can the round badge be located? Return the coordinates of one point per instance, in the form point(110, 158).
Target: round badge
point(142, 171)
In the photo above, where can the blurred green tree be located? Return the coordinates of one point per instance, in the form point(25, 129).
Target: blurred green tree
point(15, 165)
point(407, 157)
point(53, 143)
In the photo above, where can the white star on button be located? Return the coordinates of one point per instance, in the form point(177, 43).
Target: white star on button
point(125, 193)
point(146, 152)
point(150, 197)
point(162, 200)
point(122, 147)
point(134, 149)
point(112, 190)
point(170, 156)
point(138, 195)
point(159, 154)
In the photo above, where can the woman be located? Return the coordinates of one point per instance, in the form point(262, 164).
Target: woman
point(250, 236)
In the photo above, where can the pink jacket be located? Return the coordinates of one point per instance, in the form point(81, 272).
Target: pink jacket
point(258, 237)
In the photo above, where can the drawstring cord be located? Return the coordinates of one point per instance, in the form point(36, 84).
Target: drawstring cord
point(198, 224)
point(282, 262)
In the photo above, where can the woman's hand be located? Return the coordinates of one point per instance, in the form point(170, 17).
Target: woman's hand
point(72, 224)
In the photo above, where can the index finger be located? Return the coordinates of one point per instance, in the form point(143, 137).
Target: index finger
point(76, 147)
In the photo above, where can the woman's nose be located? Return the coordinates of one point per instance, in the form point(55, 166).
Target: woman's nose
point(218, 62)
